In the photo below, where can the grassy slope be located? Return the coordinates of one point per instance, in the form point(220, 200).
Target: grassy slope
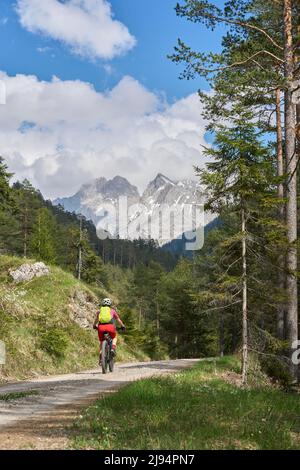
point(195, 409)
point(29, 310)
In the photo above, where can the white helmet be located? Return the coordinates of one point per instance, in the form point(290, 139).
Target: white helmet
point(106, 303)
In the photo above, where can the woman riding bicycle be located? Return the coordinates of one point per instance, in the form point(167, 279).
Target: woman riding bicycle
point(105, 323)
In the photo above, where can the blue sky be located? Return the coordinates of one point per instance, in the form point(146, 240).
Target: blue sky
point(120, 48)
point(154, 24)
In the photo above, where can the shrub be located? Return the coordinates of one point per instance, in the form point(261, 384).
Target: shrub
point(55, 342)
point(276, 369)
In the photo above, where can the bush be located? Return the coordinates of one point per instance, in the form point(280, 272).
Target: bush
point(152, 345)
point(55, 342)
point(276, 369)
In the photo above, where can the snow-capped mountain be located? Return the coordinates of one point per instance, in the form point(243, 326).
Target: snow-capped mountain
point(99, 201)
point(96, 199)
point(162, 190)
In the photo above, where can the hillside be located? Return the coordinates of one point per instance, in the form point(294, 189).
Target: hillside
point(45, 323)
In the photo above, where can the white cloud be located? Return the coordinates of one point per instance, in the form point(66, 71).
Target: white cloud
point(86, 26)
point(61, 134)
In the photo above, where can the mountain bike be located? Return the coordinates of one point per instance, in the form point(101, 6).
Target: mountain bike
point(107, 357)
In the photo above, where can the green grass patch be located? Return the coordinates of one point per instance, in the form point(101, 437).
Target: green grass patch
point(55, 342)
point(18, 395)
point(38, 327)
point(201, 408)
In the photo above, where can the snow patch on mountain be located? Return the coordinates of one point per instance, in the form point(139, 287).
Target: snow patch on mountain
point(99, 202)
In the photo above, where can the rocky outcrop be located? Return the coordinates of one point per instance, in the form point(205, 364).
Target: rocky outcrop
point(83, 309)
point(27, 272)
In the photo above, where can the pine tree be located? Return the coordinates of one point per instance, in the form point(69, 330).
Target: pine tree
point(42, 240)
point(5, 192)
point(258, 62)
point(241, 178)
point(28, 201)
point(8, 225)
point(93, 271)
point(291, 165)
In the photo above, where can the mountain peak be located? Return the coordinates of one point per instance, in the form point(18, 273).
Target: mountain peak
point(102, 194)
point(158, 188)
point(162, 180)
point(120, 186)
point(120, 178)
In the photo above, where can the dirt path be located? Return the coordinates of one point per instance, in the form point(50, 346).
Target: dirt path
point(41, 420)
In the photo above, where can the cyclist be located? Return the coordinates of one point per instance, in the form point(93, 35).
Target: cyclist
point(105, 322)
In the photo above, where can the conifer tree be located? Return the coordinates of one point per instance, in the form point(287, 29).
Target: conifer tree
point(257, 66)
point(240, 178)
point(42, 240)
point(28, 201)
point(8, 224)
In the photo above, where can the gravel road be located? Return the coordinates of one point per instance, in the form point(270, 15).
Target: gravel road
point(63, 395)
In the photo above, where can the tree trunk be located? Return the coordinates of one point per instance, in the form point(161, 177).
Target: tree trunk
point(280, 172)
point(39, 242)
point(291, 209)
point(245, 307)
point(103, 251)
point(157, 319)
point(25, 232)
point(79, 263)
point(298, 125)
point(221, 334)
point(80, 252)
point(121, 258)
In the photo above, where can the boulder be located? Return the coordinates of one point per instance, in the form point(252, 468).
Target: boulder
point(27, 272)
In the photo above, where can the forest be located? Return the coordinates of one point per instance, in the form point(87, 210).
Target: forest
point(239, 293)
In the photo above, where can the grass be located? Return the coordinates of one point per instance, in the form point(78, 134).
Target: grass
point(38, 328)
point(195, 409)
point(18, 395)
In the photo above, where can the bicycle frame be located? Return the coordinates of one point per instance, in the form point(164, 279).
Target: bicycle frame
point(107, 361)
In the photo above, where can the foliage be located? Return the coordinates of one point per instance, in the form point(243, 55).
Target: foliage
point(38, 327)
point(202, 408)
point(42, 241)
point(55, 342)
point(246, 76)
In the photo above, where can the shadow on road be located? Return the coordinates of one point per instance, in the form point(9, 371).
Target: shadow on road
point(156, 366)
point(55, 395)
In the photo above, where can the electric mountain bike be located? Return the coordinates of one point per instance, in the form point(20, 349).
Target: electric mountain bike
point(107, 357)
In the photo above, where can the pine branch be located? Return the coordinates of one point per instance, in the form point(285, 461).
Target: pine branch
point(243, 25)
point(221, 307)
point(241, 62)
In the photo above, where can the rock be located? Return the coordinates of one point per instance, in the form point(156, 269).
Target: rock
point(26, 272)
point(83, 309)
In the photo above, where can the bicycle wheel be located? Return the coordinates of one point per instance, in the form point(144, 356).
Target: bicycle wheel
point(111, 362)
point(104, 356)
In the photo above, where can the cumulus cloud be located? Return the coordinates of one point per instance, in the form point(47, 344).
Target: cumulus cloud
point(61, 134)
point(86, 26)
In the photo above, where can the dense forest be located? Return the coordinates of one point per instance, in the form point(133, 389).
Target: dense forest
point(33, 228)
point(254, 116)
point(239, 293)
